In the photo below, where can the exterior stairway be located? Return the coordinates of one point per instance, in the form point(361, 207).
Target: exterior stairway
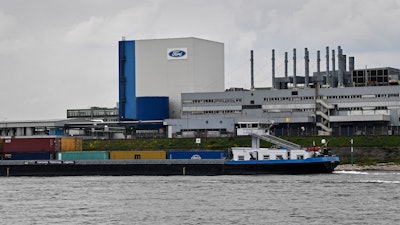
point(323, 113)
point(274, 140)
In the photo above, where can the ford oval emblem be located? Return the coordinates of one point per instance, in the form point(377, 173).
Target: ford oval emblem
point(177, 53)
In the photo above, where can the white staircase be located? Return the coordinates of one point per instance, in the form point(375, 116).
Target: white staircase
point(274, 140)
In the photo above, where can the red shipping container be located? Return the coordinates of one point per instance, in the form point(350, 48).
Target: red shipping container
point(43, 144)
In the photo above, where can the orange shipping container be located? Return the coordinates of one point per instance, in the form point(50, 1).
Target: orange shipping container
point(71, 144)
point(138, 155)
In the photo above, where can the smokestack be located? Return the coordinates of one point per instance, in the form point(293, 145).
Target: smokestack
point(286, 62)
point(334, 84)
point(306, 67)
point(351, 69)
point(252, 69)
point(341, 67)
point(273, 68)
point(318, 68)
point(328, 75)
point(351, 64)
point(294, 68)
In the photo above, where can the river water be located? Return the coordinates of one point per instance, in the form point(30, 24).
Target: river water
point(338, 198)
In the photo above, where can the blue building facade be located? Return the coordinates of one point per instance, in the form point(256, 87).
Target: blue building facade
point(152, 108)
point(127, 80)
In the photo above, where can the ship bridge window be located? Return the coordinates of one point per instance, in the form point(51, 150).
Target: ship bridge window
point(279, 157)
point(266, 157)
point(240, 157)
point(300, 156)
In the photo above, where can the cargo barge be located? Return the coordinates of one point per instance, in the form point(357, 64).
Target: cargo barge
point(288, 159)
point(167, 167)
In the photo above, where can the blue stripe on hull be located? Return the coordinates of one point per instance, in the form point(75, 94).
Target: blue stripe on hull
point(287, 161)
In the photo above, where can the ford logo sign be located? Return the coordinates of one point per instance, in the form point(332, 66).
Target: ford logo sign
point(177, 53)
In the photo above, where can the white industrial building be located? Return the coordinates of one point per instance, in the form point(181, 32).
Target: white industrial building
point(169, 67)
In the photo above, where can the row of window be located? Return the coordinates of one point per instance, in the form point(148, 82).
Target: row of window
point(267, 157)
point(213, 112)
point(288, 98)
point(207, 112)
point(360, 108)
point(89, 113)
point(238, 100)
point(228, 100)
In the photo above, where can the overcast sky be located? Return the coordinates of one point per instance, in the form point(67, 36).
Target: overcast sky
point(63, 54)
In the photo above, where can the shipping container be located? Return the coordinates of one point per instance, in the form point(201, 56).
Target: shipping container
point(138, 155)
point(28, 145)
point(70, 144)
point(55, 131)
point(28, 156)
point(88, 155)
point(214, 154)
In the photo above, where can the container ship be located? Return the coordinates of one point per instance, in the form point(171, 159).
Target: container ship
point(64, 157)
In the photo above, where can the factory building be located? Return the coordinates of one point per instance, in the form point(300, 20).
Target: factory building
point(340, 102)
point(166, 68)
point(325, 111)
point(175, 88)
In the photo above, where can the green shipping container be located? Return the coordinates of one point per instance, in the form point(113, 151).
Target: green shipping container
point(89, 155)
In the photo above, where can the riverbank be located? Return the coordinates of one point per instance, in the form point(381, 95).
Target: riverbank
point(379, 166)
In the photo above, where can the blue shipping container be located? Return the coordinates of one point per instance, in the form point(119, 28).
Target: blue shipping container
point(56, 132)
point(27, 156)
point(215, 154)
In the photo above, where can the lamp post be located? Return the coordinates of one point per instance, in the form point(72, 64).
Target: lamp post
point(352, 151)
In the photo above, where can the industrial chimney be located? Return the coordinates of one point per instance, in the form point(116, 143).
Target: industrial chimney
point(294, 69)
point(318, 68)
point(351, 70)
point(286, 64)
point(252, 69)
point(273, 68)
point(341, 67)
point(334, 84)
point(328, 75)
point(306, 67)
